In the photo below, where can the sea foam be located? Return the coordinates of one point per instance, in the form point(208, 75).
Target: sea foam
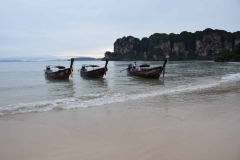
point(110, 98)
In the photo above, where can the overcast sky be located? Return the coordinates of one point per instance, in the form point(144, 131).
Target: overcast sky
point(73, 28)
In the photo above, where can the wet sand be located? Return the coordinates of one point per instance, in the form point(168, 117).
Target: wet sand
point(132, 130)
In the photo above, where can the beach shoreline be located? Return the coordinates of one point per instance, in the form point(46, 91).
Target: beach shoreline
point(134, 129)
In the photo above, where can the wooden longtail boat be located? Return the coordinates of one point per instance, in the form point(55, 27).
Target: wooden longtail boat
point(93, 73)
point(146, 71)
point(59, 72)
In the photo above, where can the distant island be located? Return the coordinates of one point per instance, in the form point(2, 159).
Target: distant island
point(38, 60)
point(11, 60)
point(201, 45)
point(86, 59)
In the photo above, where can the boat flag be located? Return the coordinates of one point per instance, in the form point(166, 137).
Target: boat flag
point(163, 71)
point(164, 64)
point(71, 69)
point(105, 68)
point(105, 71)
point(71, 72)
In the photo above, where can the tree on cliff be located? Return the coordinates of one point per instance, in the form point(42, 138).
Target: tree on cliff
point(236, 52)
point(226, 56)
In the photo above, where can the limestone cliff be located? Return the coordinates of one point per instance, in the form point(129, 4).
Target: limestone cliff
point(210, 45)
point(178, 48)
point(184, 46)
point(124, 45)
point(237, 41)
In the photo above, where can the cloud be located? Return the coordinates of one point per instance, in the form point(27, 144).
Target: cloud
point(84, 28)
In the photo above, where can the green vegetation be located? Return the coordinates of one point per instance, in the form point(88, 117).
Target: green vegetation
point(236, 53)
point(114, 56)
point(226, 56)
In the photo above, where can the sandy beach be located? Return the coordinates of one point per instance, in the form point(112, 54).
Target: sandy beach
point(139, 129)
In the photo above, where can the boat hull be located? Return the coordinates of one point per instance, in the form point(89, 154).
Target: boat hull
point(147, 73)
point(96, 73)
point(61, 74)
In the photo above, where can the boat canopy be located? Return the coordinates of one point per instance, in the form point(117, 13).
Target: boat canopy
point(59, 67)
point(144, 65)
point(90, 66)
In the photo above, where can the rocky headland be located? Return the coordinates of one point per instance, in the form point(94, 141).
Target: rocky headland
point(201, 45)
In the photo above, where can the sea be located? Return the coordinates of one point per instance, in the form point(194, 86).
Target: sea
point(25, 89)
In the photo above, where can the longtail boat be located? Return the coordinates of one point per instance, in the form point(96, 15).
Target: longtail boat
point(146, 71)
point(59, 72)
point(94, 72)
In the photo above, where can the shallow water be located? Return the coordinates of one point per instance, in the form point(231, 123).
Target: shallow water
point(24, 88)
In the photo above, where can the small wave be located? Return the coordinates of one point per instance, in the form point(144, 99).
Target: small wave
point(79, 102)
point(66, 103)
point(110, 98)
point(230, 77)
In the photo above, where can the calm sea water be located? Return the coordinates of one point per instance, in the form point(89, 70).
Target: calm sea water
point(24, 88)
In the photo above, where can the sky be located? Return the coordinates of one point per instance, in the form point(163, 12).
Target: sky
point(76, 28)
